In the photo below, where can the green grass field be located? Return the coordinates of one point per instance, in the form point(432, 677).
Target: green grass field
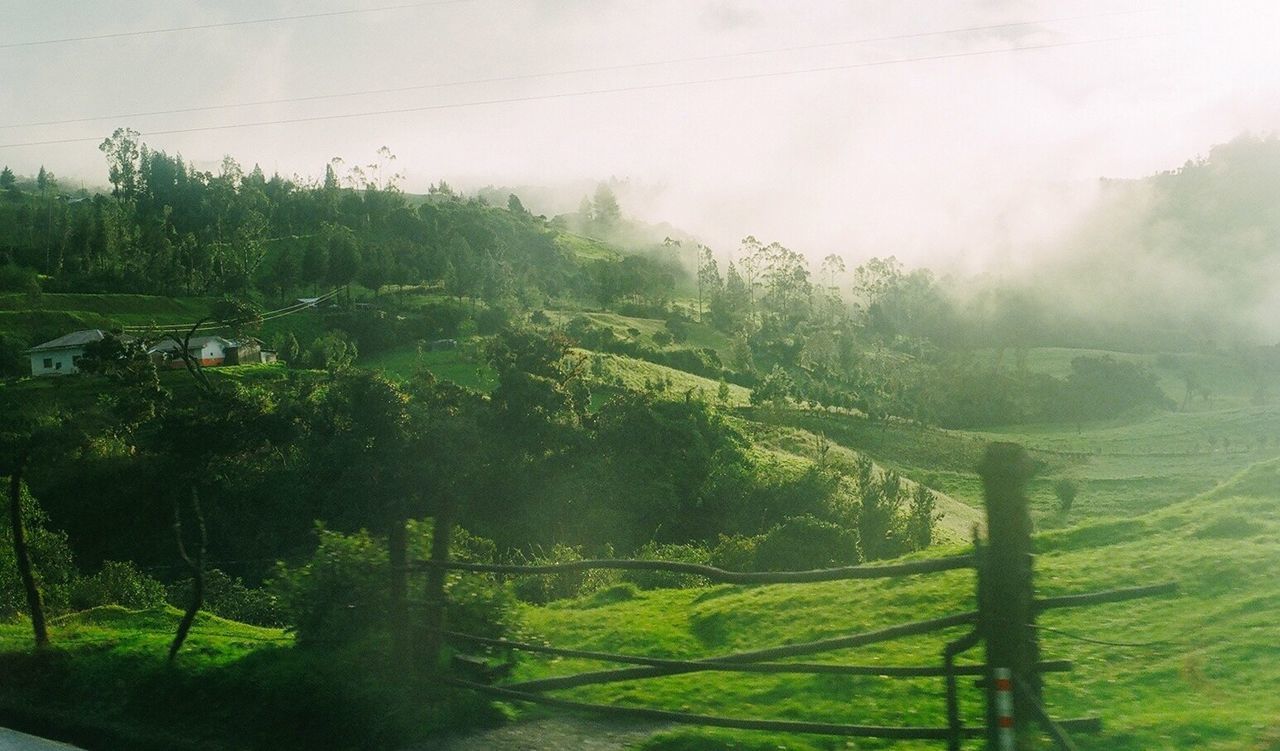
point(1207, 684)
point(460, 366)
point(586, 248)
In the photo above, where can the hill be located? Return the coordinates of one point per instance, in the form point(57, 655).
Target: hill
point(1199, 681)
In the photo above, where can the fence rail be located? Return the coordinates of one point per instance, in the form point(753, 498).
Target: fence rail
point(1004, 622)
point(815, 668)
point(926, 566)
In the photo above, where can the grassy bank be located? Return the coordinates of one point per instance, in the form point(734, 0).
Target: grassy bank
point(105, 684)
point(1204, 680)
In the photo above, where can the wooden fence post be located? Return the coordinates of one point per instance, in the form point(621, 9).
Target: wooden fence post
point(435, 596)
point(1006, 593)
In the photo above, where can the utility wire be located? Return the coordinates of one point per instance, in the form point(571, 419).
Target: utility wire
point(225, 24)
point(577, 71)
point(268, 316)
point(609, 90)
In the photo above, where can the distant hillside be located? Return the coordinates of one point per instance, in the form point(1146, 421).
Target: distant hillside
point(1194, 248)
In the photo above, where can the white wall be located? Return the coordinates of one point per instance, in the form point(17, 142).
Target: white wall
point(61, 362)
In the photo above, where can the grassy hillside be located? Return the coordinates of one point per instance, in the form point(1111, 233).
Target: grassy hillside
point(462, 366)
point(106, 685)
point(1205, 681)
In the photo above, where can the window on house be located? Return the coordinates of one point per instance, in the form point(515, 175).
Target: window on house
point(48, 362)
point(57, 365)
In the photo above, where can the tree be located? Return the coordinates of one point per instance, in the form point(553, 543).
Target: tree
point(315, 262)
point(709, 281)
point(21, 552)
point(123, 162)
point(921, 517)
point(773, 390)
point(832, 266)
point(605, 209)
point(1066, 490)
point(7, 180)
point(343, 256)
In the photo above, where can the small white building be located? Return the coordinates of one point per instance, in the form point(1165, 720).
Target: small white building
point(212, 351)
point(209, 351)
point(61, 356)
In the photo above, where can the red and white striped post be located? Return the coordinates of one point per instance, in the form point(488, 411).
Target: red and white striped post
point(1004, 709)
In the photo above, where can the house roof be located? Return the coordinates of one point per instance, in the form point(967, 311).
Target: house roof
point(69, 341)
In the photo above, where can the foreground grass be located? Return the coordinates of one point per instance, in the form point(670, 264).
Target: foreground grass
point(106, 685)
point(1207, 680)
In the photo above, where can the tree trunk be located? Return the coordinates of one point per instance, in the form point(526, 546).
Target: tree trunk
point(196, 564)
point(23, 557)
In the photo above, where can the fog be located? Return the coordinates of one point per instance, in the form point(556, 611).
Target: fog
point(976, 152)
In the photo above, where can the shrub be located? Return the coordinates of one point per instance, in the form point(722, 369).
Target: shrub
point(13, 358)
point(15, 278)
point(1066, 490)
point(684, 553)
point(342, 594)
point(921, 517)
point(50, 558)
point(117, 583)
point(806, 542)
point(542, 589)
point(735, 552)
point(230, 598)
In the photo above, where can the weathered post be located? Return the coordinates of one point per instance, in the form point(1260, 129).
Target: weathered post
point(1006, 594)
point(435, 595)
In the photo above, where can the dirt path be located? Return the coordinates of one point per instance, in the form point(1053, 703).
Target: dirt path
point(548, 734)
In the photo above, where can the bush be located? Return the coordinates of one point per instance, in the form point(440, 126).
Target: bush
point(15, 278)
point(805, 542)
point(491, 320)
point(921, 517)
point(546, 588)
point(342, 594)
point(117, 583)
point(230, 598)
point(1066, 490)
point(736, 552)
point(654, 551)
point(50, 557)
point(13, 357)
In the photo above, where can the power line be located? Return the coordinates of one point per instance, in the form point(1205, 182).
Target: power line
point(270, 315)
point(579, 71)
point(610, 90)
point(224, 24)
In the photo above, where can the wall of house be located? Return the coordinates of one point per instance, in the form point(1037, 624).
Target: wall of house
point(60, 362)
point(212, 354)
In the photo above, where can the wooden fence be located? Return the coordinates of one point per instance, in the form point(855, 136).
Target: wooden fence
point(1003, 622)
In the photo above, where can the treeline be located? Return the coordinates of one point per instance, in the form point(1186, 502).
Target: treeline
point(899, 343)
point(169, 228)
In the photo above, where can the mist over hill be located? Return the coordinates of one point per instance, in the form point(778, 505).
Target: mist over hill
point(1195, 249)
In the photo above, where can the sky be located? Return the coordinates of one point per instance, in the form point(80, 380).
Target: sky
point(856, 127)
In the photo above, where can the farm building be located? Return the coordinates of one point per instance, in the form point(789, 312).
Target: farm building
point(60, 356)
point(214, 350)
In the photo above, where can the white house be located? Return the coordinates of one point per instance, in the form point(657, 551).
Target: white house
point(60, 356)
point(214, 350)
point(210, 351)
